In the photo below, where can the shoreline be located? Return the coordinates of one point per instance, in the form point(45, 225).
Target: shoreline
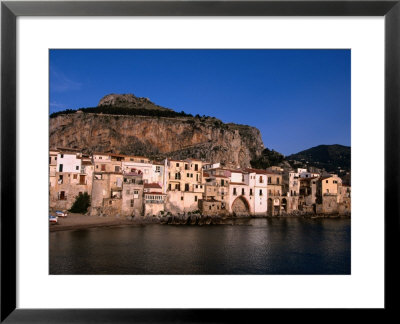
point(81, 222)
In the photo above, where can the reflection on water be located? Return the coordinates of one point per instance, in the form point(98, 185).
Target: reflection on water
point(258, 246)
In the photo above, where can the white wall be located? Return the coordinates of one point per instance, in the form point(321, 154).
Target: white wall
point(69, 162)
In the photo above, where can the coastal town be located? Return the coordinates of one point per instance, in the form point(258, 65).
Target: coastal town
point(135, 186)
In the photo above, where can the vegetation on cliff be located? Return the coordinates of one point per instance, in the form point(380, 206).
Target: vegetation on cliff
point(266, 159)
point(112, 110)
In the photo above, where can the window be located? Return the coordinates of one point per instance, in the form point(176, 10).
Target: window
point(187, 175)
point(326, 181)
point(97, 166)
point(251, 192)
point(116, 168)
point(197, 177)
point(277, 180)
point(178, 187)
point(186, 187)
point(186, 167)
point(177, 165)
point(103, 167)
point(100, 157)
point(136, 192)
point(75, 176)
point(182, 198)
point(177, 176)
point(50, 160)
point(62, 195)
point(62, 156)
point(60, 168)
point(234, 191)
point(196, 167)
point(191, 175)
point(77, 167)
point(195, 198)
point(110, 202)
point(242, 177)
point(131, 202)
point(158, 169)
point(243, 191)
point(261, 192)
point(261, 179)
point(169, 187)
point(269, 180)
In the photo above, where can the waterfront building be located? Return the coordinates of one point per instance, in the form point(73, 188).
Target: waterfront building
point(72, 178)
point(216, 193)
point(52, 170)
point(132, 194)
point(154, 199)
point(258, 191)
point(308, 194)
point(107, 193)
point(239, 193)
point(291, 188)
point(276, 202)
point(328, 197)
point(345, 199)
point(185, 187)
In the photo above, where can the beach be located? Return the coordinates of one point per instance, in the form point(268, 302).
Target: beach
point(82, 221)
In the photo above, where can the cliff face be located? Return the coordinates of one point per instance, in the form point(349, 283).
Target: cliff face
point(157, 137)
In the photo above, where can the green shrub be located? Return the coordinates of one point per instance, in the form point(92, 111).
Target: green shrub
point(81, 204)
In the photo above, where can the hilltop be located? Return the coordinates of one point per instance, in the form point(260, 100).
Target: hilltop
point(332, 158)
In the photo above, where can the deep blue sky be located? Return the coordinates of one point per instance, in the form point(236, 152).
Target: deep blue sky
point(296, 98)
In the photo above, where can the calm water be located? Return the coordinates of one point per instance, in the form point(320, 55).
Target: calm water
point(258, 246)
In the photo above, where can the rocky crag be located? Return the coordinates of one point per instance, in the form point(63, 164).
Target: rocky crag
point(177, 137)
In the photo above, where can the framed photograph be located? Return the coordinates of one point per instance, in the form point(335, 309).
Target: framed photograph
point(188, 161)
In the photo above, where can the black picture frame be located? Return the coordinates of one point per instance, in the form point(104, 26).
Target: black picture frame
point(10, 10)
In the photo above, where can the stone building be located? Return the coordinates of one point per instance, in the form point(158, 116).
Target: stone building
point(328, 197)
point(154, 199)
point(132, 194)
point(291, 188)
point(107, 193)
point(216, 193)
point(185, 187)
point(72, 178)
point(104, 162)
point(52, 170)
point(345, 199)
point(276, 203)
point(308, 194)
